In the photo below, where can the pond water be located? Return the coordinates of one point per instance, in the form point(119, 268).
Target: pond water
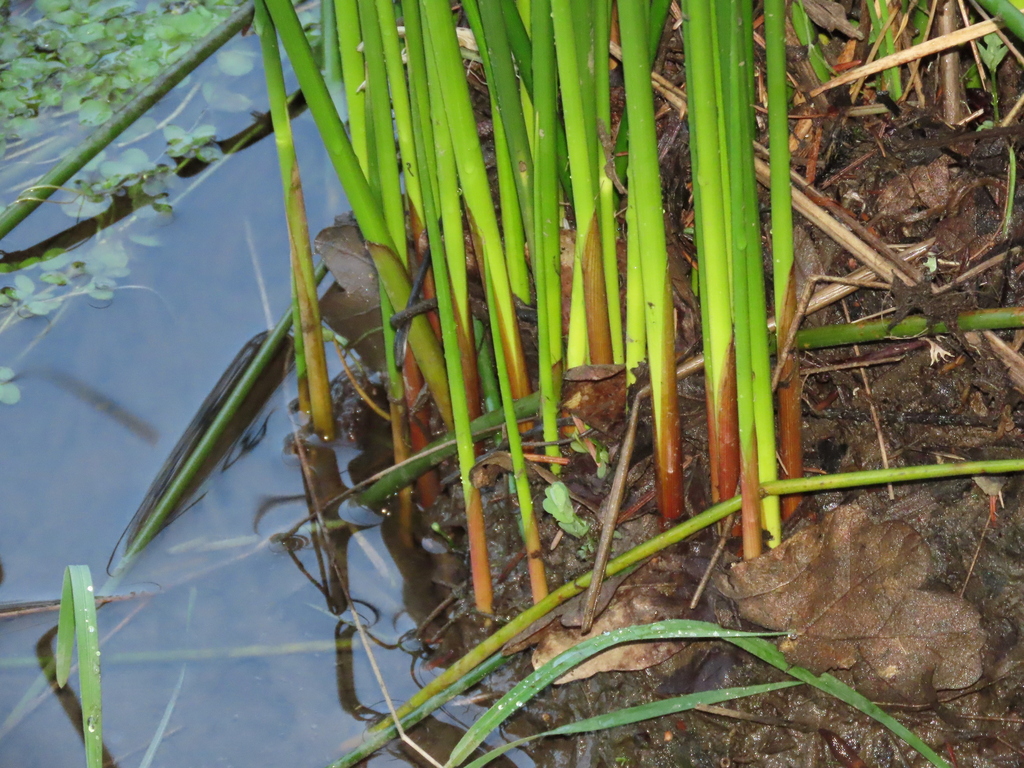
point(203, 280)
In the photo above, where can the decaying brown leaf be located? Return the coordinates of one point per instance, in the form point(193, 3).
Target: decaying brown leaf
point(596, 394)
point(352, 305)
point(850, 592)
point(926, 186)
point(831, 16)
point(648, 595)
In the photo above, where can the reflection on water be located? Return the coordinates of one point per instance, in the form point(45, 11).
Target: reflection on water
point(270, 677)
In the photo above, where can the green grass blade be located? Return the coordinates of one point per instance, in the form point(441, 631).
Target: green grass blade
point(637, 714)
point(65, 630)
point(675, 629)
point(769, 653)
point(507, 705)
point(77, 621)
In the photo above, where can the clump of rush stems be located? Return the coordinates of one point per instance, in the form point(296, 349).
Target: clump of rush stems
point(719, 74)
point(412, 164)
point(538, 129)
point(427, 197)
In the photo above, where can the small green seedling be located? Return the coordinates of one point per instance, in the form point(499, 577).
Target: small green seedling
point(78, 619)
point(598, 452)
point(558, 504)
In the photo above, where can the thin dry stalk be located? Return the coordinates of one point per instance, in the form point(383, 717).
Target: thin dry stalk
point(913, 53)
point(981, 540)
point(363, 394)
point(871, 406)
point(610, 511)
point(879, 39)
point(949, 68)
point(817, 215)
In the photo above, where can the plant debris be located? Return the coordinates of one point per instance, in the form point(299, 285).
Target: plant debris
point(647, 596)
point(855, 596)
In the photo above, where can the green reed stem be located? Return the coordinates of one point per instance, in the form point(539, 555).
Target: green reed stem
point(304, 282)
point(878, 10)
point(636, 323)
point(735, 69)
point(656, 23)
point(712, 231)
point(606, 196)
point(646, 178)
point(460, 361)
point(387, 184)
point(332, 50)
point(790, 422)
point(476, 187)
point(547, 216)
point(581, 143)
point(350, 39)
point(505, 91)
point(511, 217)
point(760, 364)
point(880, 330)
point(390, 269)
point(400, 103)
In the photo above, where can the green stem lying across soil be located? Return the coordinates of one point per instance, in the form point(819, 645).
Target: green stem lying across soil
point(452, 681)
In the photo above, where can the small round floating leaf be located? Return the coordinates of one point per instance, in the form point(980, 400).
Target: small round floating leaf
point(53, 259)
point(89, 33)
point(224, 100)
point(42, 307)
point(174, 132)
point(148, 241)
point(48, 7)
point(210, 153)
point(94, 113)
point(101, 294)
point(66, 18)
point(24, 286)
point(234, 63)
point(9, 393)
point(84, 209)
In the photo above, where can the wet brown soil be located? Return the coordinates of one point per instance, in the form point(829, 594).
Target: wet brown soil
point(901, 175)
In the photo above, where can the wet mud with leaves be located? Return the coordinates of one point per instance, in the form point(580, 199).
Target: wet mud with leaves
point(910, 594)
